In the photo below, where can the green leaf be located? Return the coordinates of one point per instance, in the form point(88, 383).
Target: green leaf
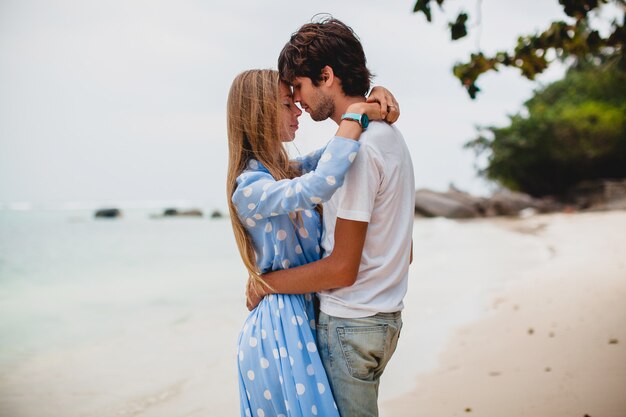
point(424, 7)
point(458, 29)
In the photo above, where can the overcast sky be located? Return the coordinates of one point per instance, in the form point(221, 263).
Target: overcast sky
point(124, 101)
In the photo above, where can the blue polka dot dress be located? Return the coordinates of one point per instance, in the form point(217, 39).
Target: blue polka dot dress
point(280, 370)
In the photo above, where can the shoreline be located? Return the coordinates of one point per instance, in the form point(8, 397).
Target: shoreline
point(550, 343)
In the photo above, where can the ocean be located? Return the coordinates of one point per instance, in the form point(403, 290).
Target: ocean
point(67, 278)
point(139, 316)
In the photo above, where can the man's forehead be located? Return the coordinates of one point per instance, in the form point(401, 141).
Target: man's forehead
point(297, 81)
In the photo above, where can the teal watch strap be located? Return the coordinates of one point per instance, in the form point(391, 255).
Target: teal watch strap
point(362, 119)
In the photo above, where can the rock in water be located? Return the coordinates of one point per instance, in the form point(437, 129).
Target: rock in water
point(108, 213)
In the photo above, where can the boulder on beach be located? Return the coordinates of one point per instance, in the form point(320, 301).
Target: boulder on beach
point(456, 204)
point(599, 194)
point(511, 203)
point(451, 205)
point(108, 213)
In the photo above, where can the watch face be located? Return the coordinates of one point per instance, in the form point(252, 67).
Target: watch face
point(365, 121)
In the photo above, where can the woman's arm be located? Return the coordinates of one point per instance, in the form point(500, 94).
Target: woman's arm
point(259, 196)
point(308, 162)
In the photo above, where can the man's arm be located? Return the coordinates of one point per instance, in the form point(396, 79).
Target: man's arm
point(339, 269)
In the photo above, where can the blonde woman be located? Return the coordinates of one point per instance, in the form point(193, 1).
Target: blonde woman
point(273, 203)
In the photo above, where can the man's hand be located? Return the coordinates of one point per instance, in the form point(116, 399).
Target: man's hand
point(389, 107)
point(254, 293)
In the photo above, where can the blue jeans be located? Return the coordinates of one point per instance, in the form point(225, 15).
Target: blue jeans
point(354, 353)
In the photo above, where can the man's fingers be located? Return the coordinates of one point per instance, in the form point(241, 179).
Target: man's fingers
point(393, 115)
point(394, 112)
point(384, 108)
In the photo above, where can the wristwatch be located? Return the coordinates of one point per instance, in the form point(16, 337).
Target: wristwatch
point(361, 119)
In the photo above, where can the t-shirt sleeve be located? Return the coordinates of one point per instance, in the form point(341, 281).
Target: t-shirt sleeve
point(355, 200)
point(258, 195)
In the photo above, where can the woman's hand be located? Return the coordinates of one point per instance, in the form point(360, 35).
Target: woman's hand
point(372, 110)
point(389, 107)
point(352, 130)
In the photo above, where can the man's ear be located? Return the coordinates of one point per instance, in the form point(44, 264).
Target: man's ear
point(328, 76)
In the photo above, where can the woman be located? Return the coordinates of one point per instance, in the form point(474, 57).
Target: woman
point(274, 210)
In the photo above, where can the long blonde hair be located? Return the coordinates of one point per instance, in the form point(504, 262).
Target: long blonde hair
point(254, 130)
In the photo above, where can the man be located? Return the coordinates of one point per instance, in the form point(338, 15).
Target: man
point(367, 245)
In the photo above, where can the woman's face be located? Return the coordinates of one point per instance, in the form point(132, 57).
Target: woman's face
point(289, 114)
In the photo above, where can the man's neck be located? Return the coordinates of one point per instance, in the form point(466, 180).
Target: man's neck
point(341, 105)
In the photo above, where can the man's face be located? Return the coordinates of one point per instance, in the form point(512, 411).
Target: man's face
point(312, 99)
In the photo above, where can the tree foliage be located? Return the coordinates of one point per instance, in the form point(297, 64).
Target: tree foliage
point(574, 38)
point(572, 130)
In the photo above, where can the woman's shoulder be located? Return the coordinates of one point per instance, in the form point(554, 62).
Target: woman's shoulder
point(254, 171)
point(252, 180)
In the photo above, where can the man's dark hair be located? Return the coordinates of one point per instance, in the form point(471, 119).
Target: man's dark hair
point(327, 42)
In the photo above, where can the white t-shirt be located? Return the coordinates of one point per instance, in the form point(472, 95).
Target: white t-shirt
point(379, 189)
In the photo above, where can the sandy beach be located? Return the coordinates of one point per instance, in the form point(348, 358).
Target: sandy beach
point(504, 317)
point(551, 344)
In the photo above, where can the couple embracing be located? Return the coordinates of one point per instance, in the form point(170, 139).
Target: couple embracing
point(334, 226)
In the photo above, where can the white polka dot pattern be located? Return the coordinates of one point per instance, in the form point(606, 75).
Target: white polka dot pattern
point(277, 356)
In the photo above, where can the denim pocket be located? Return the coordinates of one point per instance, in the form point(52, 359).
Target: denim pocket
point(363, 348)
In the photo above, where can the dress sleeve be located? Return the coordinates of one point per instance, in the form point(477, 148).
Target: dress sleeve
point(308, 162)
point(259, 195)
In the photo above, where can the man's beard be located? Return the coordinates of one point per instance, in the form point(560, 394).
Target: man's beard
point(325, 107)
